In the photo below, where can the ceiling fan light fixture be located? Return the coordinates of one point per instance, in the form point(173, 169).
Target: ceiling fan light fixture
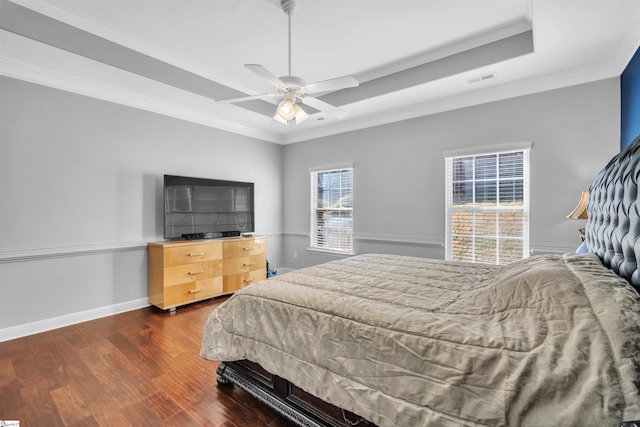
point(278, 119)
point(294, 91)
point(301, 115)
point(288, 110)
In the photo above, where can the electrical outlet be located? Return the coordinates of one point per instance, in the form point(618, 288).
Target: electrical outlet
point(295, 255)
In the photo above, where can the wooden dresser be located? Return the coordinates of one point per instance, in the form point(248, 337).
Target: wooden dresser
point(182, 272)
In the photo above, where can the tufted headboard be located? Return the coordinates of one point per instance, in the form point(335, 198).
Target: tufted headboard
point(613, 227)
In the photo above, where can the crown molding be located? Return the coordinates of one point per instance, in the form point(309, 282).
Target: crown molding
point(515, 28)
point(44, 76)
point(260, 127)
point(21, 70)
point(118, 38)
point(482, 96)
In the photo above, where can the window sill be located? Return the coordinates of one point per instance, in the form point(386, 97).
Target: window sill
point(337, 254)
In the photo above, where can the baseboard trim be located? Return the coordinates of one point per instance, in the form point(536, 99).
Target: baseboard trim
point(44, 325)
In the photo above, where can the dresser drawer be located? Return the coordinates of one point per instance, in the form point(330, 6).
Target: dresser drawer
point(190, 254)
point(192, 272)
point(185, 293)
point(235, 282)
point(244, 264)
point(244, 247)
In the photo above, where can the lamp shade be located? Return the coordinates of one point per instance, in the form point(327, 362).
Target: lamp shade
point(580, 212)
point(285, 109)
point(288, 110)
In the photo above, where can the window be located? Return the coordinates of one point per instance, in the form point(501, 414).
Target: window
point(332, 210)
point(488, 206)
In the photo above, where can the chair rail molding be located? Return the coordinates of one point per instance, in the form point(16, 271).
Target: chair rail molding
point(8, 255)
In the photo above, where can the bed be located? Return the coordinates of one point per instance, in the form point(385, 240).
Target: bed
point(386, 340)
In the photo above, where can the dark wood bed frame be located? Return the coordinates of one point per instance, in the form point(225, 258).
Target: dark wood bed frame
point(296, 405)
point(293, 403)
point(609, 234)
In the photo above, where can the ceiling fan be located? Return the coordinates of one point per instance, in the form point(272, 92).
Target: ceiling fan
point(293, 91)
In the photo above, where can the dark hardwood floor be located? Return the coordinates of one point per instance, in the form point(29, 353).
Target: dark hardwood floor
point(140, 368)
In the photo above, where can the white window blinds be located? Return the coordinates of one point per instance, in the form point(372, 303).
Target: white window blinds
point(332, 210)
point(488, 207)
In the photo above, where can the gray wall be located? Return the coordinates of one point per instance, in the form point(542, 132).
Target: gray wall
point(399, 188)
point(81, 194)
point(81, 180)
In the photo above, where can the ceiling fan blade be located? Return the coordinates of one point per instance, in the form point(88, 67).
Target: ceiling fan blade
point(265, 74)
point(332, 84)
point(324, 107)
point(264, 96)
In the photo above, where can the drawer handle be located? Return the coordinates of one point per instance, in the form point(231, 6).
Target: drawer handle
point(193, 273)
point(250, 264)
point(248, 280)
point(195, 291)
point(247, 249)
point(197, 254)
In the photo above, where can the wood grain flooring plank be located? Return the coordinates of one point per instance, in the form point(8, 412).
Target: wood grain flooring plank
point(106, 410)
point(207, 414)
point(11, 401)
point(162, 405)
point(85, 381)
point(51, 370)
point(70, 404)
point(181, 419)
point(7, 372)
point(53, 421)
point(38, 404)
point(139, 414)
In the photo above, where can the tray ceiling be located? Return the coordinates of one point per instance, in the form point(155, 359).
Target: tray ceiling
point(412, 58)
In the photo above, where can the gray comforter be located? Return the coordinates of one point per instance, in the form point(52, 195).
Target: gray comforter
point(552, 340)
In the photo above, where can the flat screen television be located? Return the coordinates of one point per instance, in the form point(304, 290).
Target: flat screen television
point(207, 208)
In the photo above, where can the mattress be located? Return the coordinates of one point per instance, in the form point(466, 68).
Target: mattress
point(403, 341)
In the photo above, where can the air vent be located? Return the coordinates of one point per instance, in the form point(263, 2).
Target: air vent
point(482, 78)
